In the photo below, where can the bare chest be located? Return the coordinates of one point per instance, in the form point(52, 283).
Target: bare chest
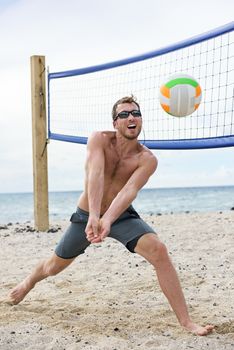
point(120, 169)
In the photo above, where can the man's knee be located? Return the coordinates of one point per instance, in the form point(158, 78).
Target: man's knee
point(157, 250)
point(160, 251)
point(152, 248)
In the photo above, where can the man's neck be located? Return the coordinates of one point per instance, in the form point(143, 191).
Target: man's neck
point(125, 146)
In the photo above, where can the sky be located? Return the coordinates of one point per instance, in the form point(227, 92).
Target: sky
point(78, 33)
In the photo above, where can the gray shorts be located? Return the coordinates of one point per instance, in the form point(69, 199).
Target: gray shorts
point(127, 229)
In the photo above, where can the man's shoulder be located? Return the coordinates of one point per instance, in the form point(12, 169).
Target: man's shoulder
point(147, 156)
point(147, 152)
point(102, 134)
point(101, 137)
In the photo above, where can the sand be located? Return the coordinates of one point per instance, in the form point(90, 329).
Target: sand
point(110, 299)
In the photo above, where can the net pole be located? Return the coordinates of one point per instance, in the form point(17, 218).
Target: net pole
point(39, 143)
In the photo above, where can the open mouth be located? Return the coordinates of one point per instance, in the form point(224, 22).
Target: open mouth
point(131, 126)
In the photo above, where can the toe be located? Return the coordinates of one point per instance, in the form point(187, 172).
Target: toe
point(7, 300)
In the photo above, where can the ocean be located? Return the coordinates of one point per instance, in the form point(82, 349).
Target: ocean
point(18, 207)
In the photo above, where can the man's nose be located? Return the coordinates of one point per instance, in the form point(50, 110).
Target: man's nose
point(130, 117)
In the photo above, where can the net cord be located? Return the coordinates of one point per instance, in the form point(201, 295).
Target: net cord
point(211, 142)
point(180, 45)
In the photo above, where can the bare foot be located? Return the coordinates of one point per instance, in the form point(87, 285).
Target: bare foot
point(18, 293)
point(198, 330)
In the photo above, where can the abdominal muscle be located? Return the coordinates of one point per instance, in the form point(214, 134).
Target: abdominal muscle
point(108, 197)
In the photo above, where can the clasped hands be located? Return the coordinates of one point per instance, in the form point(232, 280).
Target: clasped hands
point(97, 229)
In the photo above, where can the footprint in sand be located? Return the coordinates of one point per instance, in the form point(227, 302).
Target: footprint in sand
point(225, 328)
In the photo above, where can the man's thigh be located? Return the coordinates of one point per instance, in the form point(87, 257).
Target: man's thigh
point(73, 242)
point(128, 230)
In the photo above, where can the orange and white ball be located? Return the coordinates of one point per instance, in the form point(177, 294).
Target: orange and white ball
point(181, 95)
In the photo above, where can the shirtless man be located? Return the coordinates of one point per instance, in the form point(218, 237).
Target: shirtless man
point(117, 167)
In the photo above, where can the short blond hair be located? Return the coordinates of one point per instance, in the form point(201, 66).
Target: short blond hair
point(126, 99)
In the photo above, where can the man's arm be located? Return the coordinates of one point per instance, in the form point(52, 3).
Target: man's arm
point(129, 192)
point(95, 163)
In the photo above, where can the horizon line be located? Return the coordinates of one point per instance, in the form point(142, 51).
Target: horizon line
point(142, 189)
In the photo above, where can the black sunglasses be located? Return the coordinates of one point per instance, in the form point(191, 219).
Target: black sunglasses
point(125, 114)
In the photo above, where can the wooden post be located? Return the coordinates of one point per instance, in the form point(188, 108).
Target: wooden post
point(39, 140)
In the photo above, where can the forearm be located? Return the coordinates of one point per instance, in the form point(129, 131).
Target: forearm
point(120, 203)
point(95, 164)
point(95, 193)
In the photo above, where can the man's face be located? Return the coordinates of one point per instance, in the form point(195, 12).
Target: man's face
point(128, 125)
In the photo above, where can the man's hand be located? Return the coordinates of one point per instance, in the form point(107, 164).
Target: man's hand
point(97, 230)
point(104, 228)
point(92, 229)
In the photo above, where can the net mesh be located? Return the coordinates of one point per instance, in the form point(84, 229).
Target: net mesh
point(81, 104)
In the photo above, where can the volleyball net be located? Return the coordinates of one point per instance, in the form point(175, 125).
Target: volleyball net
point(80, 100)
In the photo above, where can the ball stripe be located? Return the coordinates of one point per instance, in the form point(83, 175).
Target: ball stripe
point(178, 81)
point(166, 108)
point(198, 90)
point(165, 91)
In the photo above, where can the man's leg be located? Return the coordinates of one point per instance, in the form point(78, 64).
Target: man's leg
point(72, 243)
point(155, 252)
point(46, 268)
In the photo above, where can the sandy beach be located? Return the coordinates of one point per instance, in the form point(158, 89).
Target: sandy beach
point(110, 299)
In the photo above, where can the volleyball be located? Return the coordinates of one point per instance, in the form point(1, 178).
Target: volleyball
point(180, 95)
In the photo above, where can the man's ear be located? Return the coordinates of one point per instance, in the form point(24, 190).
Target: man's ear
point(114, 124)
